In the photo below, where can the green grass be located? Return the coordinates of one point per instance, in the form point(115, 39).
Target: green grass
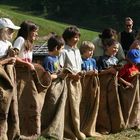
point(129, 134)
point(45, 26)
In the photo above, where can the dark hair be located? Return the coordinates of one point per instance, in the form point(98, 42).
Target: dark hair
point(26, 27)
point(107, 33)
point(55, 41)
point(109, 42)
point(70, 32)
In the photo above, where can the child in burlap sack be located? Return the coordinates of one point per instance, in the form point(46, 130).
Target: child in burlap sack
point(51, 62)
point(130, 69)
point(8, 92)
point(89, 64)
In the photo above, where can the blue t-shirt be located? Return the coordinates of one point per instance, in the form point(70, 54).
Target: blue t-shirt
point(88, 64)
point(51, 64)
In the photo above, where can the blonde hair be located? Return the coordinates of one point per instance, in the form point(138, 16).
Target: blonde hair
point(3, 34)
point(86, 45)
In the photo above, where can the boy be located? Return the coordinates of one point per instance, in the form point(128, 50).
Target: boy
point(51, 63)
point(70, 58)
point(130, 69)
point(89, 64)
point(108, 60)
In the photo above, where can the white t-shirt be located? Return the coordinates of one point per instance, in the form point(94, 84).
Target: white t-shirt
point(71, 58)
point(4, 46)
point(24, 54)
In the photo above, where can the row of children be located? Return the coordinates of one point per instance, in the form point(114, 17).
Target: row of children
point(64, 58)
point(75, 60)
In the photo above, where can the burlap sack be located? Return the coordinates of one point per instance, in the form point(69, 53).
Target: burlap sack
point(72, 111)
point(8, 103)
point(89, 105)
point(130, 102)
point(30, 99)
point(54, 110)
point(110, 118)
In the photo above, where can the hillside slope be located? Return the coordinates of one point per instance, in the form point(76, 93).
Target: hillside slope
point(45, 26)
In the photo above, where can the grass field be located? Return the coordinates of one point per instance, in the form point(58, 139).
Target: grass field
point(129, 134)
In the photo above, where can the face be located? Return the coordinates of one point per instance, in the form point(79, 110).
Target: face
point(73, 41)
point(58, 51)
point(135, 45)
point(128, 25)
point(88, 54)
point(112, 50)
point(33, 35)
point(10, 33)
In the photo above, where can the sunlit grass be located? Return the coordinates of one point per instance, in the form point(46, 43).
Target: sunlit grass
point(45, 26)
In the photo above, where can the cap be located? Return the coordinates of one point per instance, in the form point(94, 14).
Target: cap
point(134, 55)
point(7, 23)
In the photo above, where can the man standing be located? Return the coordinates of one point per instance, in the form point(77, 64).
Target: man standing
point(127, 36)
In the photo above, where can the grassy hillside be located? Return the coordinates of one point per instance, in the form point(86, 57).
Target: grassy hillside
point(45, 25)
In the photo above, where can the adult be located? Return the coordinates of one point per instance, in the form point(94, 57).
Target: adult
point(127, 36)
point(100, 41)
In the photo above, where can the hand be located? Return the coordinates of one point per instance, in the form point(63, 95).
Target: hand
point(10, 60)
point(112, 70)
point(75, 77)
point(11, 52)
point(30, 66)
point(129, 85)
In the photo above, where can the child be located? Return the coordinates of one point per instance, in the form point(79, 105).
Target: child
point(51, 62)
point(130, 69)
point(70, 57)
point(89, 64)
point(23, 44)
point(8, 94)
point(136, 43)
point(108, 60)
point(28, 102)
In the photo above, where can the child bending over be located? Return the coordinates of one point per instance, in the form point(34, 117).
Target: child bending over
point(130, 69)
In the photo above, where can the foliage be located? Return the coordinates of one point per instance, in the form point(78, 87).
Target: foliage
point(87, 13)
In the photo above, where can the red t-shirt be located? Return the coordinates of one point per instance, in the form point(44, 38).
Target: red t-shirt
point(128, 71)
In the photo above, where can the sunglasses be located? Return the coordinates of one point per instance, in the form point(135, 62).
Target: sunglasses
point(129, 25)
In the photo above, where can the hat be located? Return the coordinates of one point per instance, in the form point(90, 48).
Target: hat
point(134, 55)
point(7, 23)
point(107, 33)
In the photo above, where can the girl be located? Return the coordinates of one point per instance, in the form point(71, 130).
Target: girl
point(29, 104)
point(23, 44)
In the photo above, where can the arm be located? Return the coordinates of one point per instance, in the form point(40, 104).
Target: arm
point(10, 60)
point(110, 70)
point(127, 84)
point(24, 63)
